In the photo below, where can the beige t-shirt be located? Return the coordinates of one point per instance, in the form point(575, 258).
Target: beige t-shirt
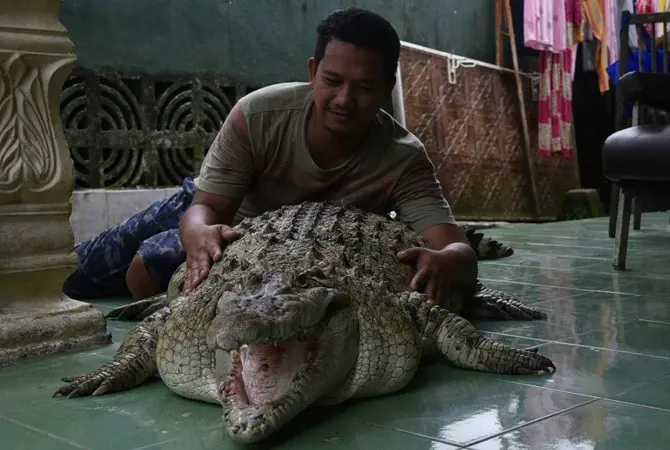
point(391, 172)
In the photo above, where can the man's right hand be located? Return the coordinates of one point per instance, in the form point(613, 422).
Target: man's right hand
point(207, 246)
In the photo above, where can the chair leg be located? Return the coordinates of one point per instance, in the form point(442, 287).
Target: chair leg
point(637, 213)
point(622, 229)
point(614, 208)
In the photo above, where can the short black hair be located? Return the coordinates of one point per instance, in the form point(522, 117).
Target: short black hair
point(362, 28)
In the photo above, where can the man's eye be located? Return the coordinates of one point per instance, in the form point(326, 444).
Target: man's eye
point(332, 81)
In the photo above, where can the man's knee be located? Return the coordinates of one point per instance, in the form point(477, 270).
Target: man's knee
point(139, 281)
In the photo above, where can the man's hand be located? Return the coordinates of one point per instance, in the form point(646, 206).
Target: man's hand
point(437, 272)
point(206, 248)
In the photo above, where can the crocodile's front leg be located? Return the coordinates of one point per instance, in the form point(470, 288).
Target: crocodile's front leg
point(462, 345)
point(133, 364)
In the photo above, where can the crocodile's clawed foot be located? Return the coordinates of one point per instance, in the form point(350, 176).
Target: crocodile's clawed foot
point(106, 379)
point(487, 248)
point(528, 361)
point(139, 310)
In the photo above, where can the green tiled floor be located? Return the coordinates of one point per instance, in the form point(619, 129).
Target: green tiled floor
point(608, 333)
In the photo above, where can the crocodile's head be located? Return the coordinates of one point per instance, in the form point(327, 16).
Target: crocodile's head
point(279, 347)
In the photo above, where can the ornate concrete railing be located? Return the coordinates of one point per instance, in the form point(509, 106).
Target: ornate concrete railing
point(36, 182)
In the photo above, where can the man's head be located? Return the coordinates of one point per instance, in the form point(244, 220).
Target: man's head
point(353, 68)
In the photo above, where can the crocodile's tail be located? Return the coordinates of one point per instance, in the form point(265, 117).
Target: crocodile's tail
point(486, 248)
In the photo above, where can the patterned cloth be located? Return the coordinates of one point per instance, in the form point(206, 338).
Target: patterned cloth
point(554, 28)
point(152, 233)
point(555, 104)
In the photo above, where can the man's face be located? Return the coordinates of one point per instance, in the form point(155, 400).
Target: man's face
point(349, 87)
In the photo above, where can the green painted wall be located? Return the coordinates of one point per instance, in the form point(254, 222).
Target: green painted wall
point(254, 41)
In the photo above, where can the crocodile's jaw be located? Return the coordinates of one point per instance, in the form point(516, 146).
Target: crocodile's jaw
point(286, 378)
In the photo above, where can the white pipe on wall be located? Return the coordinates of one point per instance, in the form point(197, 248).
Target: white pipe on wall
point(396, 97)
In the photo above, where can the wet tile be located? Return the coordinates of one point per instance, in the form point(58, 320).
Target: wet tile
point(460, 406)
point(560, 325)
point(612, 304)
point(597, 372)
point(647, 338)
point(601, 424)
point(506, 272)
point(655, 393)
point(316, 429)
point(112, 302)
point(657, 287)
point(27, 438)
point(142, 416)
point(31, 383)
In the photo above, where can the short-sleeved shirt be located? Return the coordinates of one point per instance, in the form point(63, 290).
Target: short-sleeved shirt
point(274, 167)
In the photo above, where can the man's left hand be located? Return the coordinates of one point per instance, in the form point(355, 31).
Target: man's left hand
point(437, 272)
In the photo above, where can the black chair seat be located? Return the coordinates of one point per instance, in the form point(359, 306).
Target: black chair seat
point(640, 153)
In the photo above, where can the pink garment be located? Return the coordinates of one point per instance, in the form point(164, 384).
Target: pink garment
point(612, 31)
point(544, 25)
point(549, 26)
point(555, 104)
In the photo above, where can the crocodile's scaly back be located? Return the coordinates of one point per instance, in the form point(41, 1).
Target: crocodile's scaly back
point(337, 238)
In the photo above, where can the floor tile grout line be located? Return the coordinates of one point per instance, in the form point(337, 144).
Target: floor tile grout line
point(641, 405)
point(531, 422)
point(660, 322)
point(632, 276)
point(643, 383)
point(593, 347)
point(408, 432)
point(558, 287)
point(42, 432)
point(562, 391)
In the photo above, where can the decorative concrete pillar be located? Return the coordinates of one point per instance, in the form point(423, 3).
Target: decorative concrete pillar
point(36, 182)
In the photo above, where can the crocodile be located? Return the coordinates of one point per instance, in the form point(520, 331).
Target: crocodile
point(308, 307)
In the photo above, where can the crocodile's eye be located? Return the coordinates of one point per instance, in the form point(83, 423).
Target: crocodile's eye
point(304, 278)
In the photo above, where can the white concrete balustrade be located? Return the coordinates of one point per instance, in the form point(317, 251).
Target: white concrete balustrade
point(36, 183)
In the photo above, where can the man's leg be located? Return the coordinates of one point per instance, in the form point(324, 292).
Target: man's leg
point(152, 267)
point(105, 259)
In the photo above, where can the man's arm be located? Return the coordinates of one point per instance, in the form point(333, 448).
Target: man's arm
point(419, 201)
point(227, 171)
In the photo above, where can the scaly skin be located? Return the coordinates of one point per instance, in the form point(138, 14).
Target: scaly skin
point(309, 306)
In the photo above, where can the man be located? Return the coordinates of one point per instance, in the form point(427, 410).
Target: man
point(288, 143)
point(327, 140)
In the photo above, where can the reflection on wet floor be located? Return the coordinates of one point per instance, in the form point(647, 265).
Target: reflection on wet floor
point(608, 333)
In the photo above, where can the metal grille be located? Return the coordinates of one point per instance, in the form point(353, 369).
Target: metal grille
point(130, 130)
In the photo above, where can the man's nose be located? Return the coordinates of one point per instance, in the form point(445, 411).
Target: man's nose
point(345, 97)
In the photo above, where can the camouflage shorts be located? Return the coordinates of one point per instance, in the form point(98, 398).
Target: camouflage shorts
point(152, 233)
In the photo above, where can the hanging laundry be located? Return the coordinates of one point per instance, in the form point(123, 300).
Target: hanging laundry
point(555, 104)
point(594, 13)
point(612, 30)
point(647, 7)
point(553, 27)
